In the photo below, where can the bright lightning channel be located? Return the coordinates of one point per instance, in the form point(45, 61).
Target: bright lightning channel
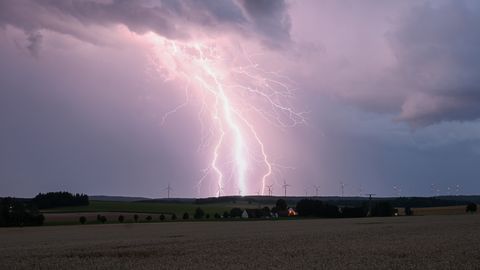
point(227, 93)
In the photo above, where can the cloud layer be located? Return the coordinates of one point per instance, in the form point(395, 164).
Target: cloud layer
point(83, 113)
point(172, 19)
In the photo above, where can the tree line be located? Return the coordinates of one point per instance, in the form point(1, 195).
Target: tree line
point(19, 212)
point(25, 212)
point(59, 199)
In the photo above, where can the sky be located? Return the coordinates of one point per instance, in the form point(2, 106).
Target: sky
point(120, 97)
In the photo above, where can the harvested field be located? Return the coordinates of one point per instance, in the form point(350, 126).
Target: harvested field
point(420, 242)
point(447, 210)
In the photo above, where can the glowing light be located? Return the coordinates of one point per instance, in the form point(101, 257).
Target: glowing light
point(229, 94)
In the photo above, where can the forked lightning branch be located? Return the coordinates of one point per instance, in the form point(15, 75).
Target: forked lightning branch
point(231, 97)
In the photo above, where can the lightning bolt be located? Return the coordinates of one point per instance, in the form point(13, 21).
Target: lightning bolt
point(229, 93)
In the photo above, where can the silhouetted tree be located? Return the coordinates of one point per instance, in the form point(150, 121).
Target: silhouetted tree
point(199, 213)
point(149, 218)
point(266, 211)
point(186, 215)
point(135, 218)
point(207, 216)
point(316, 208)
point(353, 212)
point(382, 209)
point(59, 199)
point(103, 219)
point(121, 218)
point(174, 217)
point(281, 205)
point(162, 217)
point(471, 208)
point(236, 212)
point(83, 220)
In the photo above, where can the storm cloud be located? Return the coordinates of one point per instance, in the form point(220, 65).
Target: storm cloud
point(171, 19)
point(391, 87)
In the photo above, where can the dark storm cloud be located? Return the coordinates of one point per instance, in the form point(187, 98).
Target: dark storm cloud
point(269, 17)
point(172, 19)
point(438, 54)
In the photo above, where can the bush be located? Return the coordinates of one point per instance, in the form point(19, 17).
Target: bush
point(99, 218)
point(174, 217)
point(226, 214)
point(83, 220)
point(199, 213)
point(186, 216)
point(236, 212)
point(149, 218)
point(135, 218)
point(103, 219)
point(207, 216)
point(162, 217)
point(217, 216)
point(121, 218)
point(471, 208)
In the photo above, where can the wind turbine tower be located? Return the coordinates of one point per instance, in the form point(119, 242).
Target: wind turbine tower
point(285, 186)
point(168, 189)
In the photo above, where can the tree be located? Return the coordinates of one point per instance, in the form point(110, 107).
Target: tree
point(353, 212)
point(83, 220)
point(281, 205)
point(382, 209)
point(207, 216)
point(471, 208)
point(217, 216)
point(236, 212)
point(99, 218)
point(162, 217)
point(58, 199)
point(316, 208)
point(199, 213)
point(121, 218)
point(135, 218)
point(266, 211)
point(408, 211)
point(174, 217)
point(226, 214)
point(186, 216)
point(103, 219)
point(149, 218)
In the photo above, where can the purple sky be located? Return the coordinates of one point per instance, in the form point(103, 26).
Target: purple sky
point(391, 91)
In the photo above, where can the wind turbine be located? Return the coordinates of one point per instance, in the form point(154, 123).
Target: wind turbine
point(457, 189)
point(342, 186)
point(220, 189)
point(316, 190)
point(285, 186)
point(270, 189)
point(370, 203)
point(168, 189)
point(398, 190)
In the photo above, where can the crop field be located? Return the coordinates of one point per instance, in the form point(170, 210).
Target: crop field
point(421, 242)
